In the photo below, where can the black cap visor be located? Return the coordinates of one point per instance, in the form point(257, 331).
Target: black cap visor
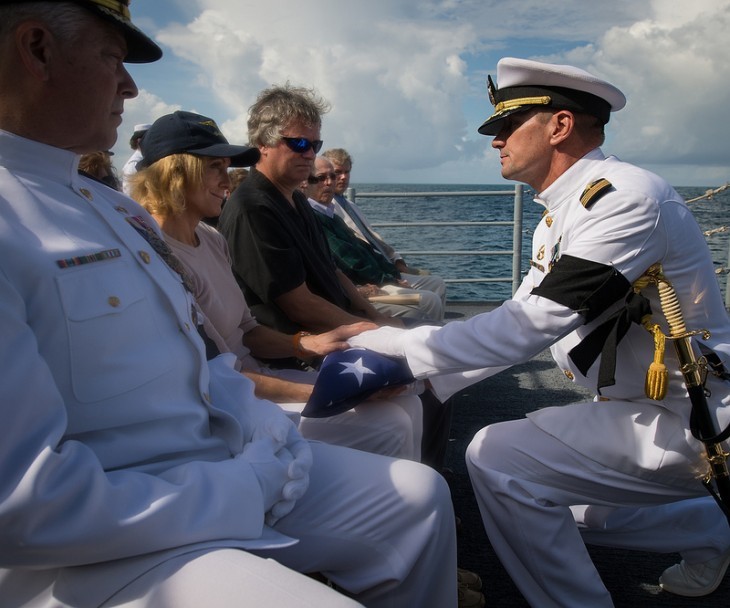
point(241, 156)
point(494, 123)
point(140, 47)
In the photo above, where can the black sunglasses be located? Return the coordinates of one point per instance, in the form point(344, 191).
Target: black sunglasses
point(300, 145)
point(318, 179)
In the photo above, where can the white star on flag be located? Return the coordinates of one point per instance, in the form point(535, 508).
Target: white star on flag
point(357, 369)
point(348, 377)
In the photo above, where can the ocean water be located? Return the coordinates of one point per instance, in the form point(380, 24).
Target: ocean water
point(713, 216)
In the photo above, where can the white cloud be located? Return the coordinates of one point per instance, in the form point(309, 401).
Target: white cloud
point(142, 109)
point(406, 79)
point(674, 70)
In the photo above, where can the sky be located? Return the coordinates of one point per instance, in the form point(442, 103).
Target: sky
point(405, 79)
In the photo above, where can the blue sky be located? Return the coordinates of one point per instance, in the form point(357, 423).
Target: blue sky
point(406, 78)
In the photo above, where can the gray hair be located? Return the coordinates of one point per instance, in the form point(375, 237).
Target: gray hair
point(64, 19)
point(278, 107)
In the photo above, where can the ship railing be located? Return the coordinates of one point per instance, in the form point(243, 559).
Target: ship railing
point(516, 223)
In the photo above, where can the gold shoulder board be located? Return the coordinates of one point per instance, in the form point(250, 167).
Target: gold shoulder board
point(594, 191)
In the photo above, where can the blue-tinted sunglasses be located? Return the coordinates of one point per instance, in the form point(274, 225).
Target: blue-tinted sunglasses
point(300, 145)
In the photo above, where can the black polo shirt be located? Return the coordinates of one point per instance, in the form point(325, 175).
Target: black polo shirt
point(275, 248)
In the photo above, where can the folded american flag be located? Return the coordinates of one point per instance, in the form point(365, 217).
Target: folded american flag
point(348, 377)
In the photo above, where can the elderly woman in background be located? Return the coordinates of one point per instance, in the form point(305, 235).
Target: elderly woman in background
point(182, 179)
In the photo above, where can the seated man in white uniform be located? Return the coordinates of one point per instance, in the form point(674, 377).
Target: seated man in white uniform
point(135, 472)
point(625, 466)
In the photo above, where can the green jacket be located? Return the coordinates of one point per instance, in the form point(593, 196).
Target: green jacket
point(356, 258)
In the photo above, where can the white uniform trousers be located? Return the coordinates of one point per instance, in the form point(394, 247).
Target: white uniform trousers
point(380, 528)
point(526, 482)
point(695, 528)
point(430, 282)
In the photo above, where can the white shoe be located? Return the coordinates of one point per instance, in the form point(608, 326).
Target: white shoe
point(694, 580)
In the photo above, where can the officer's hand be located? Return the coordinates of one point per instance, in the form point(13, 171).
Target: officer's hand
point(385, 340)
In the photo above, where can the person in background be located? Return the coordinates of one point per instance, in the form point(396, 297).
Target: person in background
point(236, 176)
point(356, 220)
point(183, 179)
point(279, 252)
point(358, 260)
point(135, 471)
point(135, 142)
point(98, 165)
point(624, 469)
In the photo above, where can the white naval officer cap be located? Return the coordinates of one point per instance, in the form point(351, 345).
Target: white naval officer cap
point(525, 84)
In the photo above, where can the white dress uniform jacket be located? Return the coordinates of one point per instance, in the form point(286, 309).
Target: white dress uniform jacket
point(90, 403)
point(640, 222)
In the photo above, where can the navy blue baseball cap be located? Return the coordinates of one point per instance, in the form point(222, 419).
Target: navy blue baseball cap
point(189, 133)
point(140, 47)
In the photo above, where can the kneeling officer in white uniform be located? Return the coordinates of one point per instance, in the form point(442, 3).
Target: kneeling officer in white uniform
point(609, 230)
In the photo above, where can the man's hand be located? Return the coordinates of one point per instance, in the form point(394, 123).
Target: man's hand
point(336, 339)
point(370, 290)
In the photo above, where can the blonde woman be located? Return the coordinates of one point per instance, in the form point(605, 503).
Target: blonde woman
point(182, 179)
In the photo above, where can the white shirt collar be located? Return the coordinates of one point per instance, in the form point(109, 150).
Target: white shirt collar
point(328, 210)
point(22, 155)
point(571, 182)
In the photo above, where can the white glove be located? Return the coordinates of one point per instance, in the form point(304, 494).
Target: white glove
point(298, 475)
point(385, 340)
point(279, 456)
point(270, 464)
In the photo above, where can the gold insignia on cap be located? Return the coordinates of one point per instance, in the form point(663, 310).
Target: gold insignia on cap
point(594, 191)
point(118, 6)
point(511, 104)
point(491, 90)
point(211, 123)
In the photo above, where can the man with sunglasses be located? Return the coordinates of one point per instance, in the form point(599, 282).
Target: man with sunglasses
point(356, 220)
point(279, 252)
point(358, 260)
point(616, 255)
